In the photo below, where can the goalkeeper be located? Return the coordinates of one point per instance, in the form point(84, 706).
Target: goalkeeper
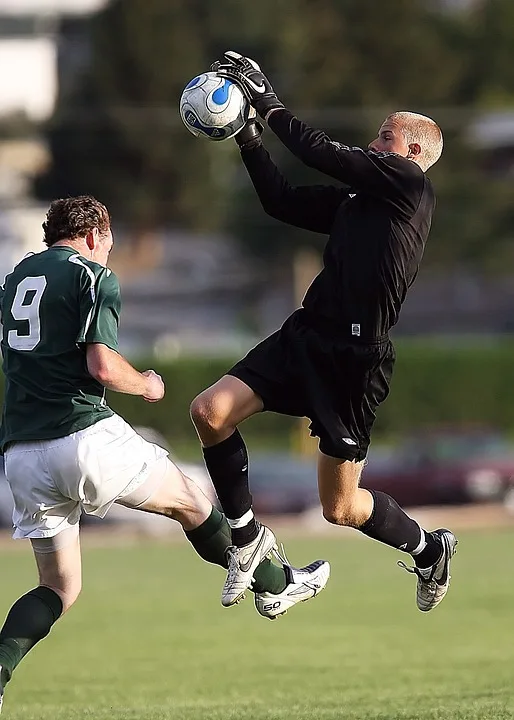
point(332, 359)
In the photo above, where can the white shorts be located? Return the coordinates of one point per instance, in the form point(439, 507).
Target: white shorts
point(52, 481)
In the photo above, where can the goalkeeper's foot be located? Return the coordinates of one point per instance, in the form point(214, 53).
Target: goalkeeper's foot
point(242, 563)
point(434, 581)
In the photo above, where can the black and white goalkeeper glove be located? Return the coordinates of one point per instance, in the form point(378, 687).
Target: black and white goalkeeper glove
point(255, 85)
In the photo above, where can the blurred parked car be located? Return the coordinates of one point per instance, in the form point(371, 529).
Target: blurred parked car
point(282, 483)
point(446, 466)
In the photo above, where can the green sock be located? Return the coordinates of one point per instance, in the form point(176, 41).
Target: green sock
point(211, 540)
point(269, 578)
point(29, 621)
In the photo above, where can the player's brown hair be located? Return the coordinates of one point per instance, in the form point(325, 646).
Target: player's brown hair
point(73, 217)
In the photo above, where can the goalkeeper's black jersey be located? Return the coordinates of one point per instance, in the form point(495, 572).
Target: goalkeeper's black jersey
point(378, 225)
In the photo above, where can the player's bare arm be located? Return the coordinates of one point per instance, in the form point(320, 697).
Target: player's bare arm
point(115, 373)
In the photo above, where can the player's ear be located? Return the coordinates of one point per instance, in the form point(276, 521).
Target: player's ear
point(92, 238)
point(414, 150)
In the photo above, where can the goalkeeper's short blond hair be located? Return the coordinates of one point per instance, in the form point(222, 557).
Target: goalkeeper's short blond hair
point(425, 132)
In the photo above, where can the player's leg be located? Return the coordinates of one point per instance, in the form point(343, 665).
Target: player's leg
point(216, 413)
point(32, 616)
point(379, 516)
point(343, 406)
point(169, 492)
point(266, 379)
point(50, 519)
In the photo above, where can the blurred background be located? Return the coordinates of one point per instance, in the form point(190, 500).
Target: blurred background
point(89, 95)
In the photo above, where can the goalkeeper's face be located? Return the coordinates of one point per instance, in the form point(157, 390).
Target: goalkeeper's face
point(390, 139)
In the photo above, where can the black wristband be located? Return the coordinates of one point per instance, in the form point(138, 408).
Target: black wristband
point(250, 135)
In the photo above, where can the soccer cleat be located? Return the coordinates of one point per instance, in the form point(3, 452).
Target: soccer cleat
point(303, 584)
point(434, 581)
point(3, 682)
point(242, 563)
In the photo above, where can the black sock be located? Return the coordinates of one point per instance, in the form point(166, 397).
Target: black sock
point(431, 553)
point(243, 535)
point(211, 540)
point(390, 525)
point(29, 621)
point(227, 463)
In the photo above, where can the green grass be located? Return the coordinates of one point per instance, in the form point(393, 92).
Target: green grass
point(148, 640)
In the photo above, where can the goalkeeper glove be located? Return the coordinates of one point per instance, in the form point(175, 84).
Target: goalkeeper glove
point(255, 85)
point(250, 134)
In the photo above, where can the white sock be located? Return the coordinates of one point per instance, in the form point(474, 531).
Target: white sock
point(242, 521)
point(422, 543)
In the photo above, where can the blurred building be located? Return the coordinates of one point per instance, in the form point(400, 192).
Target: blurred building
point(28, 53)
point(28, 91)
point(493, 133)
point(200, 296)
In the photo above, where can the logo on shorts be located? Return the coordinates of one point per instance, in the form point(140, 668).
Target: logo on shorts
point(349, 441)
point(356, 329)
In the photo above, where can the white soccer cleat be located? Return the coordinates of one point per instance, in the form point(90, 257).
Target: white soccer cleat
point(303, 584)
point(433, 582)
point(3, 682)
point(242, 563)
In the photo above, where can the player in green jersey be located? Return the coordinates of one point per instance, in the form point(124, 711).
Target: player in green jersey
point(65, 450)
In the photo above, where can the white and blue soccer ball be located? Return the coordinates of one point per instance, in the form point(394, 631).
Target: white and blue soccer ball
point(214, 107)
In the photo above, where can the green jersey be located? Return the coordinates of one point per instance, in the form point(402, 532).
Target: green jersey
point(52, 304)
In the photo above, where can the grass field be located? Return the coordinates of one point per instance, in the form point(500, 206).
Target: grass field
point(148, 640)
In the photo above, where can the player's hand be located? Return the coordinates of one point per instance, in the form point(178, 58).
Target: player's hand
point(247, 74)
point(250, 134)
point(155, 387)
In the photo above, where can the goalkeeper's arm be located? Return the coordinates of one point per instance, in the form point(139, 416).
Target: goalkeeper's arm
point(310, 207)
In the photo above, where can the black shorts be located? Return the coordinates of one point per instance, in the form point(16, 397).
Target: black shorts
point(338, 384)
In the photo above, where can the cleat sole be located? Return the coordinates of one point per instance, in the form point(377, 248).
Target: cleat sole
point(236, 601)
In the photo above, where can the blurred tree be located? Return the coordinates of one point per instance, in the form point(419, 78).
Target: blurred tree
point(340, 64)
point(117, 132)
point(343, 65)
point(475, 216)
point(489, 72)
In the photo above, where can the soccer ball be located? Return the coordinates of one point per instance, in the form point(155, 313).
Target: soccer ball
point(214, 107)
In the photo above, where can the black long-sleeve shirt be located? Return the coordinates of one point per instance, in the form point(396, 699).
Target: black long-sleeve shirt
point(378, 227)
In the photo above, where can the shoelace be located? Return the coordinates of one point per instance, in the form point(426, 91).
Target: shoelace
point(233, 563)
point(280, 553)
point(428, 587)
point(416, 571)
point(410, 569)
